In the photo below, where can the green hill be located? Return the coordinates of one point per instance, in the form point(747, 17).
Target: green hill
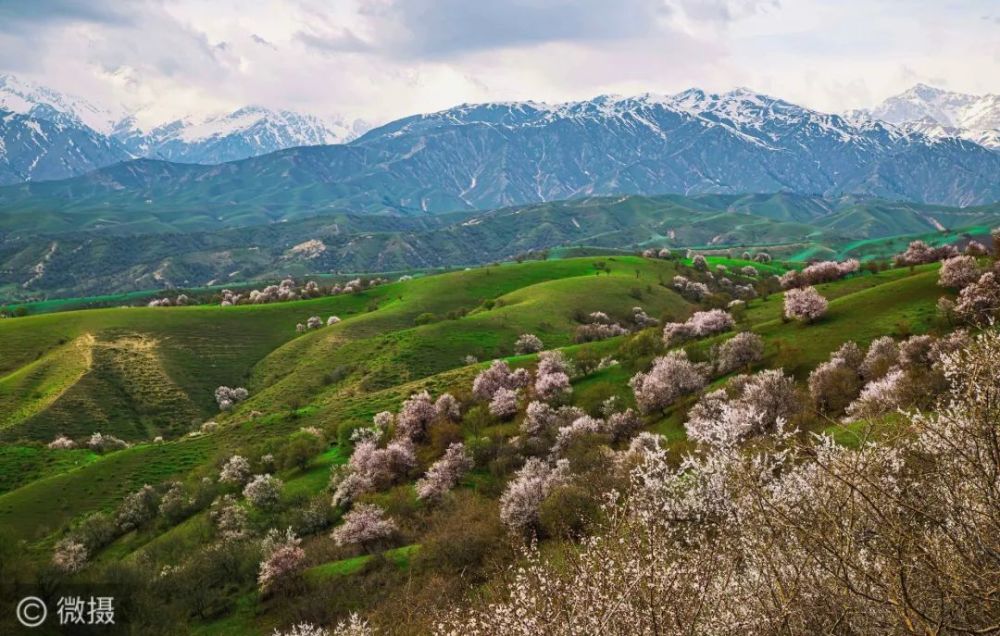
point(37, 266)
point(143, 372)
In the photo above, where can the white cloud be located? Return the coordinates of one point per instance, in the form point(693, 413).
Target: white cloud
point(379, 59)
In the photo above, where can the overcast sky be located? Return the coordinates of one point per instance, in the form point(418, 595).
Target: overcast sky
point(380, 59)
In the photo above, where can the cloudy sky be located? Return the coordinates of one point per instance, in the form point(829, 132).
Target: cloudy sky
point(379, 59)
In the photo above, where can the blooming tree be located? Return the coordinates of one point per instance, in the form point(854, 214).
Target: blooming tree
point(504, 403)
point(805, 304)
point(498, 376)
point(235, 471)
point(415, 416)
point(445, 472)
point(958, 272)
point(527, 343)
point(919, 253)
point(103, 443)
point(69, 556)
point(281, 562)
point(137, 508)
point(740, 351)
point(448, 408)
point(264, 491)
point(62, 442)
point(520, 501)
point(229, 517)
point(979, 302)
point(227, 397)
point(670, 377)
point(365, 525)
point(882, 355)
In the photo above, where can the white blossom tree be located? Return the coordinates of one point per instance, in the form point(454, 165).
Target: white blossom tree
point(264, 491)
point(527, 343)
point(236, 471)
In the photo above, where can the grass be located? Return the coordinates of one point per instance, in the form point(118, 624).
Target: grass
point(340, 376)
point(389, 357)
point(400, 557)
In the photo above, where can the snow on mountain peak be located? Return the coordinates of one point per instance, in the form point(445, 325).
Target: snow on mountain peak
point(941, 113)
point(28, 98)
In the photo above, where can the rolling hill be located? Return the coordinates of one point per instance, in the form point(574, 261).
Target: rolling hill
point(161, 365)
point(103, 262)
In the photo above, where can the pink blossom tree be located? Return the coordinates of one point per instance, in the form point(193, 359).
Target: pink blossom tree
point(227, 397)
point(805, 304)
point(366, 525)
point(520, 501)
point(281, 562)
point(61, 442)
point(448, 408)
point(882, 355)
point(740, 351)
point(415, 416)
point(137, 508)
point(504, 403)
point(229, 517)
point(497, 376)
point(70, 556)
point(445, 473)
point(958, 272)
point(979, 302)
point(670, 377)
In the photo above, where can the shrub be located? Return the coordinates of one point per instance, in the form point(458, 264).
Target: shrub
point(301, 448)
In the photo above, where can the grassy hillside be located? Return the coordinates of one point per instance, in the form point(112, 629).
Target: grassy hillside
point(142, 372)
point(83, 263)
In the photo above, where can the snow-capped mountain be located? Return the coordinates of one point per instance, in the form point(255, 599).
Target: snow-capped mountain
point(483, 156)
point(247, 132)
point(28, 98)
point(495, 154)
point(940, 113)
point(36, 149)
point(115, 135)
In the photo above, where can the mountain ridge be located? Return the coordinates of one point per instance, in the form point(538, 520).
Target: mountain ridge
point(228, 136)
